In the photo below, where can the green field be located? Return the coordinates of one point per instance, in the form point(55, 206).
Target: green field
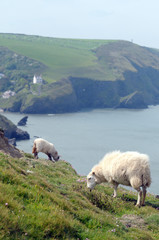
point(63, 57)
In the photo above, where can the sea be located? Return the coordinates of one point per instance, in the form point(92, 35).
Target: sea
point(83, 138)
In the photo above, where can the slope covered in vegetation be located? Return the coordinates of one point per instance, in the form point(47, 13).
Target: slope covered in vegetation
point(62, 57)
point(76, 74)
point(42, 200)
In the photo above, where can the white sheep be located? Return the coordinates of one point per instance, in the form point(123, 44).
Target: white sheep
point(41, 145)
point(127, 168)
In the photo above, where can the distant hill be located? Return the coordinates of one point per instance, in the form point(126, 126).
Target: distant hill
point(62, 57)
point(76, 74)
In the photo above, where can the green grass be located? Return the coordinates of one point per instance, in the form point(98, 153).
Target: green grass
point(51, 201)
point(63, 57)
point(82, 58)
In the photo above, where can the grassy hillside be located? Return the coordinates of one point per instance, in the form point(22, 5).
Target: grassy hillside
point(63, 57)
point(92, 59)
point(42, 200)
point(77, 74)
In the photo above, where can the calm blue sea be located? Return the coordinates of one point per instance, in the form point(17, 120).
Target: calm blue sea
point(83, 138)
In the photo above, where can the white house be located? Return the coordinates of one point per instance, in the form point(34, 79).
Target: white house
point(37, 79)
point(8, 94)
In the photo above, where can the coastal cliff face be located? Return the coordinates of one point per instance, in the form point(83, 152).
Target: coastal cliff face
point(139, 90)
point(124, 75)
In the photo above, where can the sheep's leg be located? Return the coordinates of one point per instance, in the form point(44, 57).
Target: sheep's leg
point(49, 156)
point(138, 204)
point(144, 195)
point(115, 189)
point(36, 155)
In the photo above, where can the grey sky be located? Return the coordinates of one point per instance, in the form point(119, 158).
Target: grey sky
point(132, 20)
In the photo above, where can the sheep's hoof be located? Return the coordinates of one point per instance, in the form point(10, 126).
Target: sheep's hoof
point(138, 205)
point(114, 196)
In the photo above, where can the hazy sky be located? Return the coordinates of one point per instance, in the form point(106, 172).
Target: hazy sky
point(132, 20)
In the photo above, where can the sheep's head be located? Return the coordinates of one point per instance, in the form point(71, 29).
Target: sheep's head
point(56, 156)
point(91, 180)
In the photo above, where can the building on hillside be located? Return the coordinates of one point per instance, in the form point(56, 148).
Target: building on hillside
point(8, 94)
point(37, 79)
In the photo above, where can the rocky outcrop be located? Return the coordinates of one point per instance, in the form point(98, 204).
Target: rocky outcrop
point(23, 121)
point(11, 130)
point(5, 147)
point(19, 134)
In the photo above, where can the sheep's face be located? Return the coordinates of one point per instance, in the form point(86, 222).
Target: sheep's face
point(91, 181)
point(56, 156)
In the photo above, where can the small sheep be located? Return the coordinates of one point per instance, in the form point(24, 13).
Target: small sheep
point(41, 145)
point(127, 168)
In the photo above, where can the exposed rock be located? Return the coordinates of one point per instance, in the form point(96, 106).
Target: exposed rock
point(109, 94)
point(5, 147)
point(23, 121)
point(21, 135)
point(11, 130)
point(12, 141)
point(18, 134)
point(134, 100)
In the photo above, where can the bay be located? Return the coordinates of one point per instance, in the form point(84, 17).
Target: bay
point(83, 138)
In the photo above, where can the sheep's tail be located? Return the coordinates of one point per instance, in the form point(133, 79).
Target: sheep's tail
point(34, 148)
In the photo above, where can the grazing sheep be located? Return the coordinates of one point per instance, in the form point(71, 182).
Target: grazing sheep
point(127, 168)
point(41, 145)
